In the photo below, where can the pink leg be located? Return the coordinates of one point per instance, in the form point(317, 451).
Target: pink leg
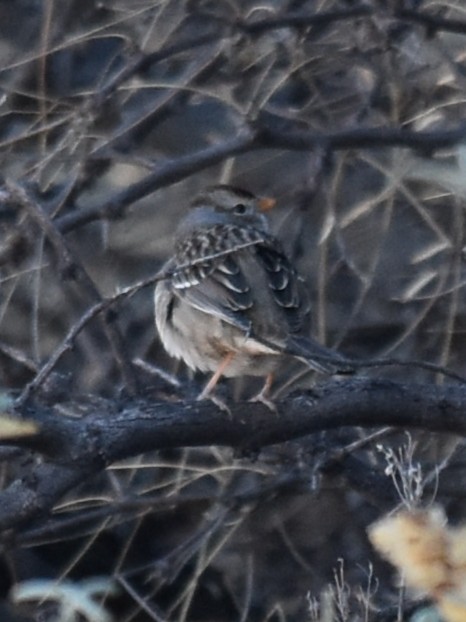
point(263, 395)
point(205, 393)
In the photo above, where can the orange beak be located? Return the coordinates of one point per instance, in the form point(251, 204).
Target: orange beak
point(266, 203)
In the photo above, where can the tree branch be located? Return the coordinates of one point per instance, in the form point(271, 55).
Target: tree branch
point(267, 136)
point(167, 173)
point(78, 448)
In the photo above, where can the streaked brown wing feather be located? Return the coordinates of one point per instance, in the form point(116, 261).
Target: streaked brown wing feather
point(216, 268)
point(287, 287)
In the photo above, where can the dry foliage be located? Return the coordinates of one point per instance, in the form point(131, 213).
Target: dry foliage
point(113, 114)
point(431, 556)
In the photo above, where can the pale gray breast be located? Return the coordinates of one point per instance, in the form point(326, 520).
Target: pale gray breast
point(232, 283)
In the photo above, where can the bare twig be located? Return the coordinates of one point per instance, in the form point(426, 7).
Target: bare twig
point(265, 137)
point(73, 266)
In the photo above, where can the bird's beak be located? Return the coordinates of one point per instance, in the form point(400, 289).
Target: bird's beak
point(266, 203)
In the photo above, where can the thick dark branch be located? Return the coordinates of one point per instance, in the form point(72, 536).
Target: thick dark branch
point(304, 20)
point(433, 23)
point(145, 426)
point(79, 448)
point(225, 28)
point(141, 62)
point(167, 173)
point(267, 137)
point(361, 138)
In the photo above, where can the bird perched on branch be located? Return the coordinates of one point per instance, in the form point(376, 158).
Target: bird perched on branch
point(232, 303)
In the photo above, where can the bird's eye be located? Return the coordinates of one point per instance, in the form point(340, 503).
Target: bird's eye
point(240, 208)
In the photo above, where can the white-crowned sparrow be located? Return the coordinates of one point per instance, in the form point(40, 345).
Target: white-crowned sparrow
point(234, 304)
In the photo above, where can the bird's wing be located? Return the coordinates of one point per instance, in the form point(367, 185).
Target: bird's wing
point(286, 286)
point(244, 278)
point(216, 288)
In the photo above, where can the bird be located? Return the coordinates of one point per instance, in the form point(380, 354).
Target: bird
point(229, 300)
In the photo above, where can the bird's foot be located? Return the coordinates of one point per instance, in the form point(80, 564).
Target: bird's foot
point(208, 395)
point(263, 395)
point(263, 399)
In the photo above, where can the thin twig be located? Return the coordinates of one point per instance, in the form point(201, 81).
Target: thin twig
point(72, 265)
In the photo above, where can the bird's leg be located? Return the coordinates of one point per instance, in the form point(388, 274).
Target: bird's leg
point(206, 393)
point(263, 395)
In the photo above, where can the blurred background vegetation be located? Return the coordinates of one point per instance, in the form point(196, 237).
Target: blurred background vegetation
point(113, 115)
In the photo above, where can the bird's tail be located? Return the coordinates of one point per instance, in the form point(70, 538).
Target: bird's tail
point(318, 357)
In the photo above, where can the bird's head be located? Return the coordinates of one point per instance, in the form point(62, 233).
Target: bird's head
point(224, 204)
